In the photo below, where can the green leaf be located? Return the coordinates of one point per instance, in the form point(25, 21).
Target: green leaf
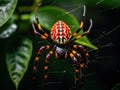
point(18, 55)
point(7, 8)
point(48, 15)
point(7, 29)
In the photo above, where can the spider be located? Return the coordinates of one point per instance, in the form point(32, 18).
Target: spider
point(61, 42)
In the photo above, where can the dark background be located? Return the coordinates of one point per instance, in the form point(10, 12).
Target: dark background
point(104, 69)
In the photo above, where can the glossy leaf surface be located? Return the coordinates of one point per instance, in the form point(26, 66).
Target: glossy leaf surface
point(17, 58)
point(7, 30)
point(7, 8)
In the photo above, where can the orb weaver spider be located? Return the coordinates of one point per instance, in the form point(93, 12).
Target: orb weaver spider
point(62, 44)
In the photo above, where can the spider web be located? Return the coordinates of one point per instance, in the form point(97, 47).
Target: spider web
point(104, 35)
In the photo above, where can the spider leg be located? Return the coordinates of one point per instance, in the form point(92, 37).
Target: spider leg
point(56, 55)
point(40, 31)
point(46, 64)
point(81, 64)
point(38, 23)
point(37, 59)
point(81, 23)
point(76, 64)
point(85, 33)
point(81, 48)
point(39, 27)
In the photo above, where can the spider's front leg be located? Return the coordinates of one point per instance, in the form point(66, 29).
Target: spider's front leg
point(37, 59)
point(74, 35)
point(81, 23)
point(85, 33)
point(41, 34)
point(39, 31)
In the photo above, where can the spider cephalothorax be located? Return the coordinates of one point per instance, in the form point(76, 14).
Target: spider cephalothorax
point(61, 43)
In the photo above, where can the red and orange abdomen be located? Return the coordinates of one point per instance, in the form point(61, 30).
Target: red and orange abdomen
point(60, 32)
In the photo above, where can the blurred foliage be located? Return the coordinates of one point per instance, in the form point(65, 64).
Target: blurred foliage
point(8, 29)
point(18, 44)
point(116, 87)
point(7, 8)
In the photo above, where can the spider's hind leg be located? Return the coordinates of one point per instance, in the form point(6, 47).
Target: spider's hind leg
point(46, 65)
point(81, 48)
point(76, 64)
point(42, 48)
point(81, 65)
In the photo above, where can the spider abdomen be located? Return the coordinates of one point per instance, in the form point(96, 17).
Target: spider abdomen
point(60, 32)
